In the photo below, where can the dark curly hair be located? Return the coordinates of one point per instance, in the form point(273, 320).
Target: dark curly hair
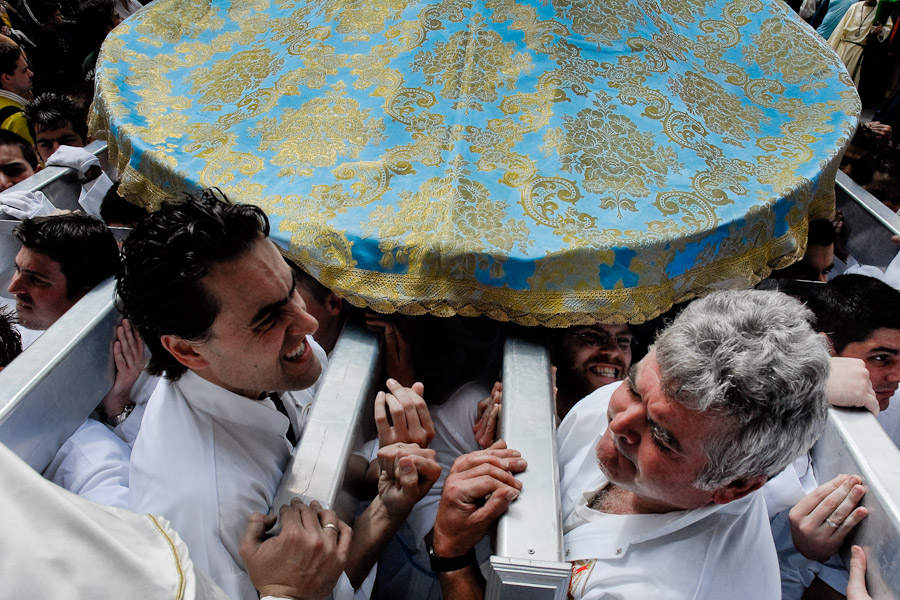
point(83, 246)
point(164, 260)
point(10, 339)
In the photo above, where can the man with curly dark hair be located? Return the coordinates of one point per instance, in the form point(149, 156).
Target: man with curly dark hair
point(218, 307)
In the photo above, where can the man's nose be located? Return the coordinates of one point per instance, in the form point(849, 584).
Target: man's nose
point(5, 182)
point(894, 374)
point(628, 424)
point(302, 322)
point(15, 284)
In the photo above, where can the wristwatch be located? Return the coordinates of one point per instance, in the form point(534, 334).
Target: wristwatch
point(120, 418)
point(442, 564)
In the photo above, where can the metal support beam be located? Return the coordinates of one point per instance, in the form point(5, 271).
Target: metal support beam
point(855, 443)
point(318, 469)
point(872, 224)
point(528, 562)
point(47, 392)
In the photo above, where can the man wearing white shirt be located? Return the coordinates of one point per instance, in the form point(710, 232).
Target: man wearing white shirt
point(861, 317)
point(659, 474)
point(218, 307)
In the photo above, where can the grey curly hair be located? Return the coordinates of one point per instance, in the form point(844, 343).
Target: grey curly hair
point(752, 357)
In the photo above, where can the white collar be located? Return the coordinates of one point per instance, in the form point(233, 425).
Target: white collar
point(223, 405)
point(14, 97)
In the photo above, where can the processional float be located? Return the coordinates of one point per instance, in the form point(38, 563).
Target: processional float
point(551, 162)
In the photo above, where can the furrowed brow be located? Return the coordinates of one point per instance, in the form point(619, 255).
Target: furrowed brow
point(632, 379)
point(268, 309)
point(664, 435)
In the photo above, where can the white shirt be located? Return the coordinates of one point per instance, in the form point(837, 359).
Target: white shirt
point(126, 8)
point(93, 463)
point(205, 459)
point(797, 571)
point(717, 551)
point(404, 570)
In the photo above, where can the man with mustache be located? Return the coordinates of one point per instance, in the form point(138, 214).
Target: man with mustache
point(588, 357)
point(659, 474)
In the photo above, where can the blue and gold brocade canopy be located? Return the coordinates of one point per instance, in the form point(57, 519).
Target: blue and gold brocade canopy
point(547, 162)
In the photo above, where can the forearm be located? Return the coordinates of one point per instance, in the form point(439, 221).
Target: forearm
point(372, 531)
point(464, 584)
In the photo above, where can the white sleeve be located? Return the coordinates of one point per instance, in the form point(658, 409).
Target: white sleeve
point(92, 194)
point(94, 464)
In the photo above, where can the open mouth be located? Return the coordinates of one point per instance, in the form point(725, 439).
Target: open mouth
point(297, 352)
point(605, 371)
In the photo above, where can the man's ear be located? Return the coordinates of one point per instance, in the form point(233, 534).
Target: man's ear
point(738, 489)
point(334, 304)
point(183, 351)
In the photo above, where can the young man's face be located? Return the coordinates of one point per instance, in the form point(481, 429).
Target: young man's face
point(258, 341)
point(13, 167)
point(881, 353)
point(592, 356)
point(815, 265)
point(20, 80)
point(653, 446)
point(41, 290)
point(47, 141)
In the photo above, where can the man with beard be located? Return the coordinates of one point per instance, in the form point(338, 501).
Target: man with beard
point(586, 357)
point(658, 474)
point(589, 357)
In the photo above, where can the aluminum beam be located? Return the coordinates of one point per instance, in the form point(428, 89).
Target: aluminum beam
point(528, 562)
point(318, 469)
point(49, 390)
point(872, 224)
point(855, 443)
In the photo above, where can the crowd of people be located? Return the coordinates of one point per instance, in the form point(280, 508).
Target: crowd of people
point(683, 447)
point(862, 34)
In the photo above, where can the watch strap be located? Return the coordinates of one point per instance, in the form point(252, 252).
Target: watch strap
point(442, 564)
point(120, 418)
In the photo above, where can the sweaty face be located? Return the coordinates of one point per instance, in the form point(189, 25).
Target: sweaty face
point(13, 167)
point(258, 341)
point(47, 141)
point(881, 353)
point(591, 357)
point(40, 289)
point(653, 445)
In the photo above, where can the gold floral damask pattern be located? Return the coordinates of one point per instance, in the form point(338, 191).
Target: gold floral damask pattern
point(472, 66)
point(546, 162)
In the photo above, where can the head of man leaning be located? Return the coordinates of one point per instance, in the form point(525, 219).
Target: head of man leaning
point(55, 120)
point(730, 394)
point(861, 317)
point(208, 291)
point(61, 259)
